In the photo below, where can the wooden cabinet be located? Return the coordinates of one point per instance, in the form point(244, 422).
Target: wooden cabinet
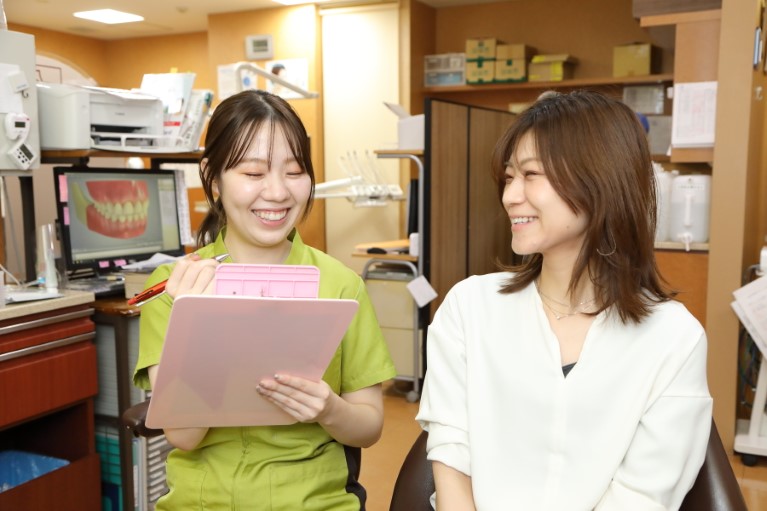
point(466, 230)
point(47, 383)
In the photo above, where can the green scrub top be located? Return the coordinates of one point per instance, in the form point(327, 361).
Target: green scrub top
point(293, 467)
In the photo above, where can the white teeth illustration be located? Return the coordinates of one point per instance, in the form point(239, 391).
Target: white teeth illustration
point(272, 215)
point(522, 219)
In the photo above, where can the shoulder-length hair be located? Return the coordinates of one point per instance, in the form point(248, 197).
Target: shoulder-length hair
point(231, 131)
point(596, 157)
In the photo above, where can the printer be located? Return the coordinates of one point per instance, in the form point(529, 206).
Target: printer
point(84, 117)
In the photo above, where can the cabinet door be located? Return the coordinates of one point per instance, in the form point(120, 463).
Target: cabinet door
point(447, 189)
point(489, 231)
point(35, 384)
point(468, 229)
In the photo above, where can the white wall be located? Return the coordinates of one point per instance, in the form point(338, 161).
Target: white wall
point(360, 72)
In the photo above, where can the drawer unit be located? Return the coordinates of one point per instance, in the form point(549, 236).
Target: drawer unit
point(46, 363)
point(47, 383)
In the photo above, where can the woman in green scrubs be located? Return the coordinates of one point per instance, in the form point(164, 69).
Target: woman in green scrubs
point(259, 181)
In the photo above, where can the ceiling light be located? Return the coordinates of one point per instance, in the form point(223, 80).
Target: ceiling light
point(108, 16)
point(299, 2)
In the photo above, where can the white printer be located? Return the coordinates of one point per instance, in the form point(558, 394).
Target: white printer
point(80, 117)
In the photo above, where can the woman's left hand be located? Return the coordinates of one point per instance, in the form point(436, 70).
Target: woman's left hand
point(304, 400)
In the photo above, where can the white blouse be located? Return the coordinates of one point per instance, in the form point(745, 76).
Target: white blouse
point(626, 430)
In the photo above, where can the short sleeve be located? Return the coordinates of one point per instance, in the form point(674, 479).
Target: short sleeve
point(443, 410)
point(365, 354)
point(153, 323)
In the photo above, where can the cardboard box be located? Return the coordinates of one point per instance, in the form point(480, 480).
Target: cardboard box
point(480, 71)
point(481, 48)
point(514, 52)
point(511, 70)
point(551, 68)
point(410, 128)
point(638, 59)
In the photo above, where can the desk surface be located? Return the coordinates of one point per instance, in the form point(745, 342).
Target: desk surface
point(70, 298)
point(361, 250)
point(116, 306)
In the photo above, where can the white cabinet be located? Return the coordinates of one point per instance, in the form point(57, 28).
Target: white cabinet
point(397, 315)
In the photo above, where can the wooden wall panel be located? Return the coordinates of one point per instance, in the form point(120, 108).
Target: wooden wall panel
point(686, 272)
point(447, 187)
point(489, 231)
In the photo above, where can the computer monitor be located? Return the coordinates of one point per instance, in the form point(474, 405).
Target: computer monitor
point(111, 216)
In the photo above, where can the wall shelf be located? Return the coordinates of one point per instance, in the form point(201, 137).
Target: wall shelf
point(676, 245)
point(573, 83)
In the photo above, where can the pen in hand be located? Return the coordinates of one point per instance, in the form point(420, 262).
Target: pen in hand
point(159, 289)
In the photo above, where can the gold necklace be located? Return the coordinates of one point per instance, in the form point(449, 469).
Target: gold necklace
point(558, 314)
point(584, 302)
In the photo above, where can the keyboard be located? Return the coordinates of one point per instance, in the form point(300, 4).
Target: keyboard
point(100, 287)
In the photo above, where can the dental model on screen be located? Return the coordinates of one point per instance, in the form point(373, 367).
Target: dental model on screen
point(118, 209)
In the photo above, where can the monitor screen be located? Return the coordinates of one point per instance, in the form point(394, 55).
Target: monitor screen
point(110, 217)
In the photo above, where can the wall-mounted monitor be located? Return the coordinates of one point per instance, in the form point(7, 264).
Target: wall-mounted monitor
point(109, 217)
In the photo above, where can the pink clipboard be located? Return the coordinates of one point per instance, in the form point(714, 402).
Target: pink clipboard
point(218, 348)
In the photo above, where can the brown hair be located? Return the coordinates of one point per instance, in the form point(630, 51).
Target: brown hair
point(596, 157)
point(232, 128)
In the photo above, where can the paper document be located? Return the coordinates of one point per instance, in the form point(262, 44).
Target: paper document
point(751, 307)
point(694, 114)
point(151, 263)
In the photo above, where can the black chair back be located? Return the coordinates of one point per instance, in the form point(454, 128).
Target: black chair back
point(715, 488)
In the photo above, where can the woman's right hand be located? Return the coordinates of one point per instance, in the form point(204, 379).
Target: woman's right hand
point(192, 275)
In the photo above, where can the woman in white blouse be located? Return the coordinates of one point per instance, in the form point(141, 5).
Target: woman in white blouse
point(572, 381)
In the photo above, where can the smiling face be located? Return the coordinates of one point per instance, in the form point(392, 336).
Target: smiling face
point(541, 221)
point(264, 197)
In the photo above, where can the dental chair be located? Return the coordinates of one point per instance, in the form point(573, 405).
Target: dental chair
point(715, 488)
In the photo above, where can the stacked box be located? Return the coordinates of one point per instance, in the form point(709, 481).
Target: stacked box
point(511, 62)
point(444, 69)
point(480, 60)
point(480, 71)
point(481, 48)
point(551, 68)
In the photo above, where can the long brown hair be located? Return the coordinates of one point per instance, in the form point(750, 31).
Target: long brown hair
point(231, 130)
point(596, 156)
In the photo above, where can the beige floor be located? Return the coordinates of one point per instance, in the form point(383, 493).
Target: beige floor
point(753, 482)
point(381, 463)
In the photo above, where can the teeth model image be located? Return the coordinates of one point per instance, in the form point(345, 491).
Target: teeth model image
point(118, 209)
